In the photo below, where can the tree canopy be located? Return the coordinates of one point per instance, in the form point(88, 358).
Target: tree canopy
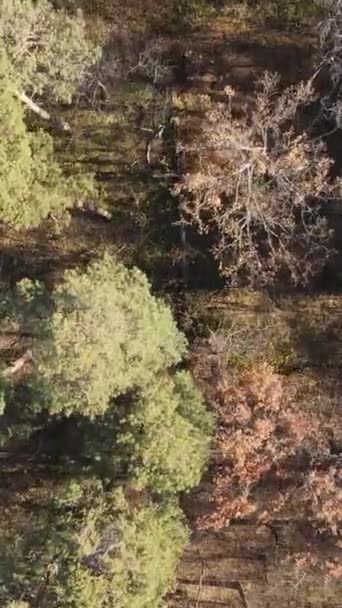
point(104, 351)
point(105, 536)
point(260, 186)
point(167, 435)
point(91, 547)
point(32, 184)
point(48, 49)
point(107, 335)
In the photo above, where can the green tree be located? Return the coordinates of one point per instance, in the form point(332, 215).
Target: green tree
point(48, 49)
point(130, 558)
point(87, 547)
point(107, 335)
point(167, 436)
point(31, 182)
point(102, 335)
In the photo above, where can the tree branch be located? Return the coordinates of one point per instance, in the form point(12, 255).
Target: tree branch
point(18, 364)
point(42, 113)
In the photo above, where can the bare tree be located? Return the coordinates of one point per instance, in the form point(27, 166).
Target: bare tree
point(258, 184)
point(331, 38)
point(151, 64)
point(330, 62)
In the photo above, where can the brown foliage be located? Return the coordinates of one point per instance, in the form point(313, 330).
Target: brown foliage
point(325, 491)
point(258, 184)
point(266, 440)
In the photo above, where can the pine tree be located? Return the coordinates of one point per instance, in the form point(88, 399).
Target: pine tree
point(48, 49)
point(107, 335)
point(31, 182)
point(87, 547)
point(166, 436)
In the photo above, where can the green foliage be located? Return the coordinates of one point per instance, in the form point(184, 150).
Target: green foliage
point(92, 548)
point(104, 335)
point(31, 182)
point(167, 435)
point(28, 302)
point(284, 13)
point(138, 569)
point(48, 50)
point(107, 335)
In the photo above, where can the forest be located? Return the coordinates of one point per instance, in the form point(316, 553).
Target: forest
point(170, 303)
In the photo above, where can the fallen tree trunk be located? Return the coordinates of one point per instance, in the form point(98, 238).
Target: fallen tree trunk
point(60, 124)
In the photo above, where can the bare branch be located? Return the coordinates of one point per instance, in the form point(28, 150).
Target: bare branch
point(259, 186)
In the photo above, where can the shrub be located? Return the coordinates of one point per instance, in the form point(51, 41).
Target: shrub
point(263, 430)
point(323, 494)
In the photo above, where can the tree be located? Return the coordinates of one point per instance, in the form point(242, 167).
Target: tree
point(97, 336)
point(132, 559)
point(330, 61)
point(100, 349)
point(270, 450)
point(258, 185)
point(330, 38)
point(86, 546)
point(106, 335)
point(48, 50)
point(166, 436)
point(31, 182)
